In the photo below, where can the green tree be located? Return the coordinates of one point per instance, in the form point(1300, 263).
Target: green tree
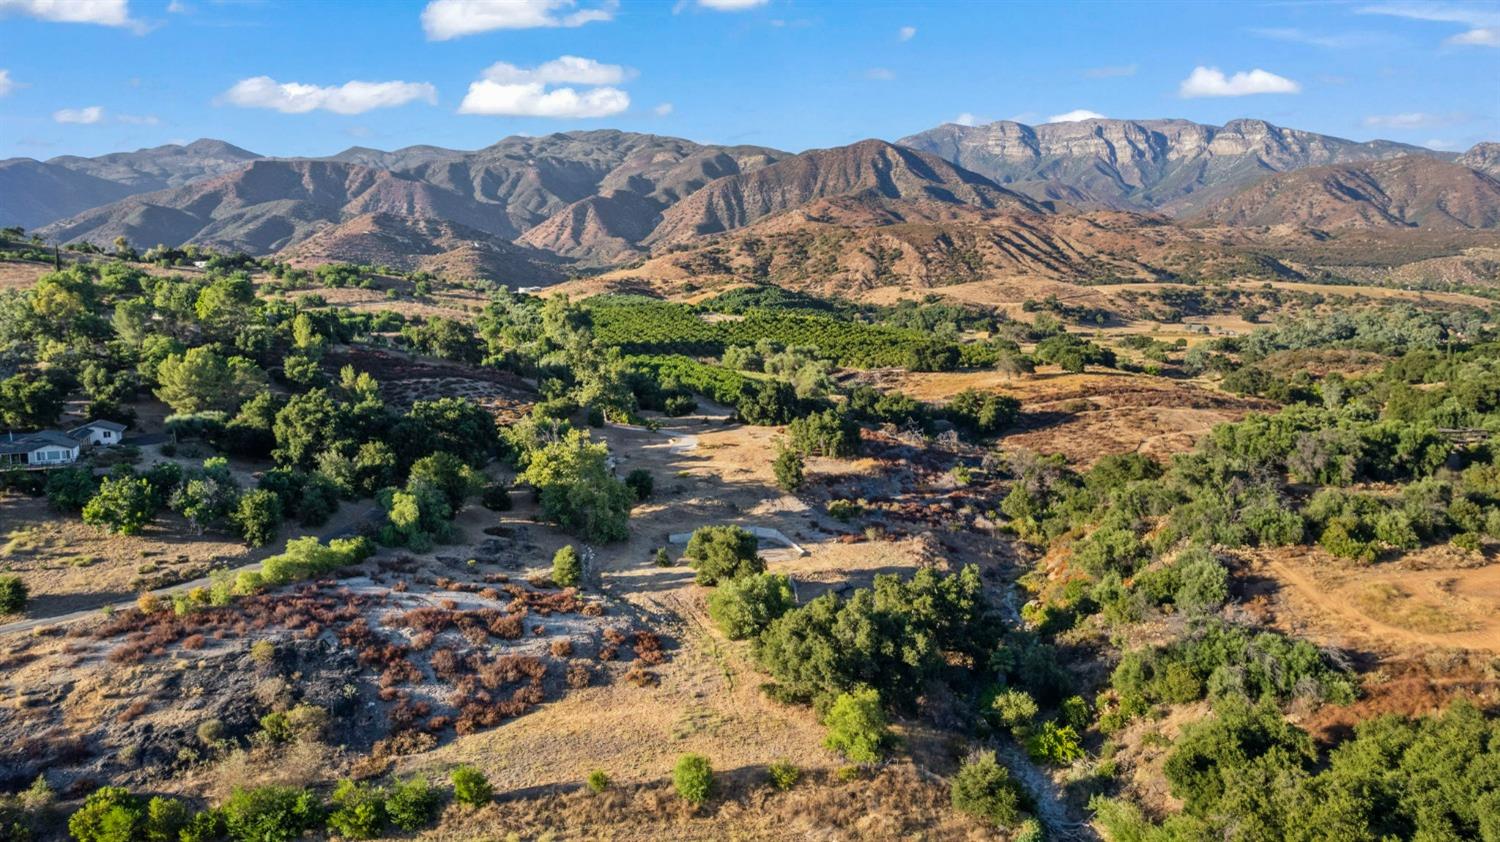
point(576, 489)
point(984, 789)
point(69, 489)
point(451, 425)
point(471, 787)
point(567, 567)
point(109, 814)
point(13, 595)
point(723, 553)
point(200, 380)
point(827, 433)
point(258, 517)
point(857, 726)
point(271, 814)
point(788, 466)
point(744, 607)
point(412, 804)
point(306, 426)
point(28, 401)
point(449, 475)
point(123, 505)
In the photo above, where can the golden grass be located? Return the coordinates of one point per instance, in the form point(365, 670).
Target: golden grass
point(1396, 606)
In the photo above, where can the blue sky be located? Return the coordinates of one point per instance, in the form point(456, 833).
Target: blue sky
point(94, 76)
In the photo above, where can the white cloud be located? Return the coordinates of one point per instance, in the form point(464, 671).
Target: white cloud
point(880, 74)
point(1111, 72)
point(560, 71)
point(967, 119)
point(7, 84)
point(138, 119)
point(1335, 41)
point(84, 116)
point(1439, 144)
point(445, 19)
point(1076, 115)
point(731, 5)
point(534, 100)
point(662, 110)
point(906, 33)
point(1408, 120)
point(507, 90)
point(1481, 37)
point(1211, 81)
point(1483, 20)
point(177, 7)
point(102, 12)
point(348, 98)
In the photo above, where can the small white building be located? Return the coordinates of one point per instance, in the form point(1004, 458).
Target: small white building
point(38, 450)
point(100, 433)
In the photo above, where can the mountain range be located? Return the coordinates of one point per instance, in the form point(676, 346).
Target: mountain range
point(535, 209)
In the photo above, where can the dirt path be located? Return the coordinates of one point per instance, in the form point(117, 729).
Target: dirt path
point(1479, 584)
point(342, 524)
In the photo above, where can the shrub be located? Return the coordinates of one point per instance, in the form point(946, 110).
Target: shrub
point(359, 810)
point(784, 775)
point(723, 552)
point(597, 781)
point(13, 595)
point(567, 567)
point(109, 814)
point(258, 516)
point(693, 778)
point(857, 726)
point(165, 819)
point(984, 789)
point(124, 505)
point(1014, 710)
point(70, 489)
point(412, 804)
point(826, 433)
point(206, 826)
point(1055, 744)
point(271, 814)
point(789, 468)
point(743, 607)
point(662, 558)
point(496, 497)
point(576, 489)
point(641, 482)
point(471, 787)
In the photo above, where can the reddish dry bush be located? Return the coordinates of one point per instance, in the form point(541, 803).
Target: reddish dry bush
point(427, 619)
point(438, 723)
point(562, 648)
point(641, 677)
point(194, 641)
point(421, 640)
point(399, 672)
point(648, 647)
point(614, 636)
point(608, 652)
point(135, 709)
point(449, 604)
point(592, 609)
point(476, 635)
point(490, 593)
point(579, 675)
point(400, 587)
point(127, 653)
point(508, 626)
point(447, 666)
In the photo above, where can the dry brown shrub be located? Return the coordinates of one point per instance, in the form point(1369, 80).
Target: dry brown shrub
point(562, 648)
point(579, 675)
point(135, 709)
point(193, 641)
point(641, 677)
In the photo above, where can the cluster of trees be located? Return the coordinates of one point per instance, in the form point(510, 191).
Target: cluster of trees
point(1248, 773)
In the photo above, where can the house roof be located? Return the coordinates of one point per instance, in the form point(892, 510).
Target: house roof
point(97, 423)
point(31, 441)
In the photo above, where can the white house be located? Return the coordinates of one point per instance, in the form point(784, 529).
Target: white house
point(38, 450)
point(104, 433)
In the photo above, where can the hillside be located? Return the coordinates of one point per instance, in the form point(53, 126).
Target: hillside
point(1484, 157)
point(433, 245)
point(1409, 192)
point(34, 193)
point(270, 205)
point(870, 167)
point(1173, 166)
